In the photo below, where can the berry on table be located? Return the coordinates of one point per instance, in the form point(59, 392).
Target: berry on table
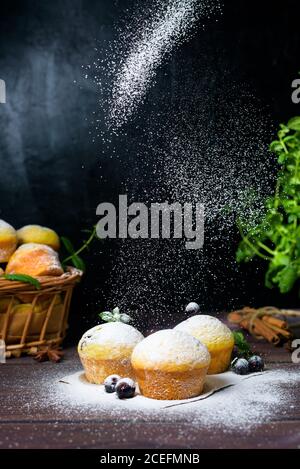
point(125, 388)
point(240, 366)
point(256, 363)
point(192, 308)
point(111, 382)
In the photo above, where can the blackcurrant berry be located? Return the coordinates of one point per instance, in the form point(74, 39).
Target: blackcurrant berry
point(192, 308)
point(256, 363)
point(240, 366)
point(125, 388)
point(111, 382)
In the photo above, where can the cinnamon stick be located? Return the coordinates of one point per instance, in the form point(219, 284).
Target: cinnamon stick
point(281, 331)
point(258, 327)
point(275, 321)
point(266, 332)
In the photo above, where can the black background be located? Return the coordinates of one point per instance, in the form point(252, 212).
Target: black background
point(54, 173)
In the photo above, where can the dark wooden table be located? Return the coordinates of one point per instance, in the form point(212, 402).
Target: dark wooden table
point(24, 423)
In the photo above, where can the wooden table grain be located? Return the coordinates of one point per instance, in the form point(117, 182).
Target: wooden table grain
point(24, 423)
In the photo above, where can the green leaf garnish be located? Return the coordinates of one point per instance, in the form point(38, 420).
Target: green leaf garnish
point(106, 316)
point(115, 316)
point(23, 278)
point(243, 347)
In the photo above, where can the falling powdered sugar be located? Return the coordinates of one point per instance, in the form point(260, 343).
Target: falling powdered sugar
point(169, 24)
point(201, 136)
point(200, 150)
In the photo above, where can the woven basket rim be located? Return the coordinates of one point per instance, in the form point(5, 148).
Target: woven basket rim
point(71, 276)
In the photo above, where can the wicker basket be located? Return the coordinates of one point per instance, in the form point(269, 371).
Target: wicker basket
point(32, 319)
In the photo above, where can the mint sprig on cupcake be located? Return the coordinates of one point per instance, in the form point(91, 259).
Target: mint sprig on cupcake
point(115, 316)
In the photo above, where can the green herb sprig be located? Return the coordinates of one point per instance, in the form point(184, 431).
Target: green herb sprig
point(276, 239)
point(115, 316)
point(241, 344)
point(74, 258)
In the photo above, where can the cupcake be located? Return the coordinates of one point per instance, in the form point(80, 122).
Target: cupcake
point(170, 364)
point(217, 337)
point(106, 349)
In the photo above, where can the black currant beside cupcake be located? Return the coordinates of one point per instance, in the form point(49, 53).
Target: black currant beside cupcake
point(242, 366)
point(123, 387)
point(111, 382)
point(243, 359)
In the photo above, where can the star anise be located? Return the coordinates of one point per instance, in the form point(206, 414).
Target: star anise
point(49, 354)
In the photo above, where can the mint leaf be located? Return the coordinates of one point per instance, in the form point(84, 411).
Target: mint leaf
point(74, 257)
point(241, 344)
point(23, 278)
point(79, 263)
point(286, 278)
point(106, 316)
point(115, 316)
point(294, 123)
point(67, 244)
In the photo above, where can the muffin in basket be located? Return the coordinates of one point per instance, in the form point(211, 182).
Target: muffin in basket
point(36, 260)
point(8, 241)
point(39, 235)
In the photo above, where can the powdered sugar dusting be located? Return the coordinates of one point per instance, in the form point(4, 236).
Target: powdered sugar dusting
point(37, 247)
point(258, 403)
point(170, 346)
point(202, 137)
point(116, 333)
point(254, 401)
point(46, 260)
point(170, 24)
point(206, 328)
